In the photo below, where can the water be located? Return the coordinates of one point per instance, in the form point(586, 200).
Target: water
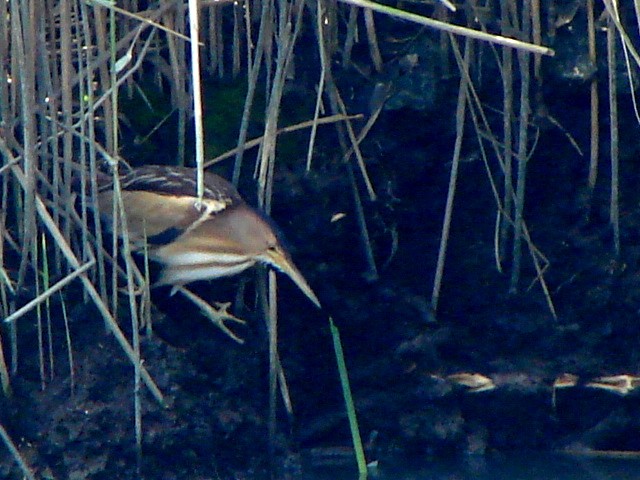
point(515, 466)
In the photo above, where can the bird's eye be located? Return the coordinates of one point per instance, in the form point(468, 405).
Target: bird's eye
point(272, 248)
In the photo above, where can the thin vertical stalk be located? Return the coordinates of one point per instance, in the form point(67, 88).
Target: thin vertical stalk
point(372, 270)
point(374, 50)
point(536, 37)
point(82, 129)
point(23, 48)
point(251, 90)
point(47, 305)
point(6, 439)
point(594, 103)
point(179, 100)
point(523, 140)
point(67, 332)
point(4, 71)
point(213, 39)
point(104, 73)
point(194, 34)
point(220, 40)
point(461, 108)
point(4, 373)
point(507, 134)
point(5, 281)
point(237, 40)
point(40, 331)
point(51, 81)
point(274, 364)
point(323, 71)
point(248, 34)
point(286, 40)
point(351, 36)
point(67, 73)
point(91, 187)
point(325, 45)
point(113, 122)
point(614, 214)
point(135, 323)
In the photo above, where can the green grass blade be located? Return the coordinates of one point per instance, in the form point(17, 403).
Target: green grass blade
point(348, 400)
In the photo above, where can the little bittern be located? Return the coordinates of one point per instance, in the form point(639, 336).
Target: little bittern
point(221, 235)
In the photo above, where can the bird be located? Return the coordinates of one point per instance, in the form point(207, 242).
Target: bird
point(194, 239)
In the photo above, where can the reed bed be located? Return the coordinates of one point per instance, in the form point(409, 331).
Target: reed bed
point(68, 66)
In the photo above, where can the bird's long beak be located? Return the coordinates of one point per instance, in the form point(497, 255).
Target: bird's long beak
point(280, 259)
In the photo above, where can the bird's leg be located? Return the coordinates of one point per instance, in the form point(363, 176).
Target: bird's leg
point(217, 315)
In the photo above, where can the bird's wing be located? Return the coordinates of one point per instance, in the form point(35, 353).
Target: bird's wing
point(161, 202)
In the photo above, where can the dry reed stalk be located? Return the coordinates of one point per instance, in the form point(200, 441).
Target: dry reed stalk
point(5, 282)
point(6, 286)
point(104, 75)
point(289, 24)
point(67, 334)
point(337, 106)
point(49, 80)
point(252, 83)
point(351, 35)
point(236, 50)
point(147, 18)
point(23, 48)
point(92, 181)
point(450, 28)
point(26, 470)
point(214, 48)
point(47, 305)
point(248, 33)
point(39, 329)
point(507, 134)
point(594, 101)
point(133, 312)
point(624, 37)
point(67, 73)
point(483, 132)
point(536, 39)
point(112, 125)
point(523, 147)
point(86, 156)
point(220, 41)
point(536, 257)
point(4, 373)
point(274, 362)
point(196, 90)
point(5, 30)
point(179, 97)
point(355, 147)
point(461, 108)
point(372, 38)
point(256, 142)
point(47, 220)
point(321, 82)
point(614, 213)
point(59, 285)
point(118, 212)
point(23, 72)
point(320, 17)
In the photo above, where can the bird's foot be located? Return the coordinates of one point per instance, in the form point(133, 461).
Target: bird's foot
point(218, 314)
